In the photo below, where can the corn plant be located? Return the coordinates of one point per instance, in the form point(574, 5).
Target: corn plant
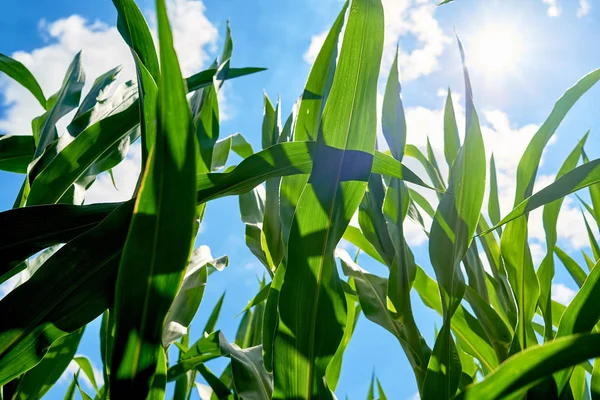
point(133, 263)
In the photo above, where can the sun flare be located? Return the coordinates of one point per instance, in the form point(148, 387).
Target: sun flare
point(496, 50)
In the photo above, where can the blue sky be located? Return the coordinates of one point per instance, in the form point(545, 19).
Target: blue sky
point(550, 45)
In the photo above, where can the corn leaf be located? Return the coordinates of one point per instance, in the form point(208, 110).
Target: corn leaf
point(372, 294)
point(515, 250)
point(533, 365)
point(17, 71)
point(26, 231)
point(37, 381)
point(69, 290)
point(453, 226)
point(75, 159)
point(152, 255)
point(309, 332)
point(190, 294)
point(451, 138)
point(581, 316)
point(63, 102)
point(16, 152)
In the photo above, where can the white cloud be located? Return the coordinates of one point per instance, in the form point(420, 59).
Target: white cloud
point(584, 8)
point(316, 42)
point(562, 293)
point(416, 20)
point(412, 19)
point(103, 48)
point(553, 10)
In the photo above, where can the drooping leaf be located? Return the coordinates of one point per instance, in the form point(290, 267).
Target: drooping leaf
point(372, 294)
point(576, 272)
point(581, 316)
point(17, 71)
point(190, 294)
point(577, 179)
point(533, 365)
point(68, 291)
point(26, 231)
point(37, 381)
point(16, 152)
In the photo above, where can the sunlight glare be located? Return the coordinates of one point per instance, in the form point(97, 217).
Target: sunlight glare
point(496, 50)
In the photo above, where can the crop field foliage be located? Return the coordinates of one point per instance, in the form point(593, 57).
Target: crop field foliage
point(319, 178)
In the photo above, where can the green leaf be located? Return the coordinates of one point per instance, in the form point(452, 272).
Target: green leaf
point(37, 381)
point(187, 301)
point(581, 316)
point(134, 30)
point(451, 138)
point(493, 201)
point(68, 291)
point(271, 318)
point(591, 238)
point(453, 226)
point(206, 348)
point(85, 365)
point(382, 395)
point(90, 104)
point(579, 178)
point(271, 226)
point(334, 368)
point(16, 152)
point(515, 250)
point(237, 143)
point(250, 379)
point(211, 323)
point(356, 237)
point(550, 220)
point(372, 294)
point(434, 176)
point(373, 225)
point(75, 159)
point(17, 71)
point(533, 365)
point(595, 380)
point(395, 207)
point(26, 231)
point(70, 394)
point(205, 78)
point(576, 272)
point(310, 331)
point(308, 120)
point(152, 255)
point(464, 325)
point(64, 101)
point(206, 120)
point(393, 122)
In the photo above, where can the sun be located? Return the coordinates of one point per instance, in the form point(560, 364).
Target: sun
point(497, 49)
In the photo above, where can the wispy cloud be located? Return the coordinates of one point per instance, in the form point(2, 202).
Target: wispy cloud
point(584, 8)
point(553, 10)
